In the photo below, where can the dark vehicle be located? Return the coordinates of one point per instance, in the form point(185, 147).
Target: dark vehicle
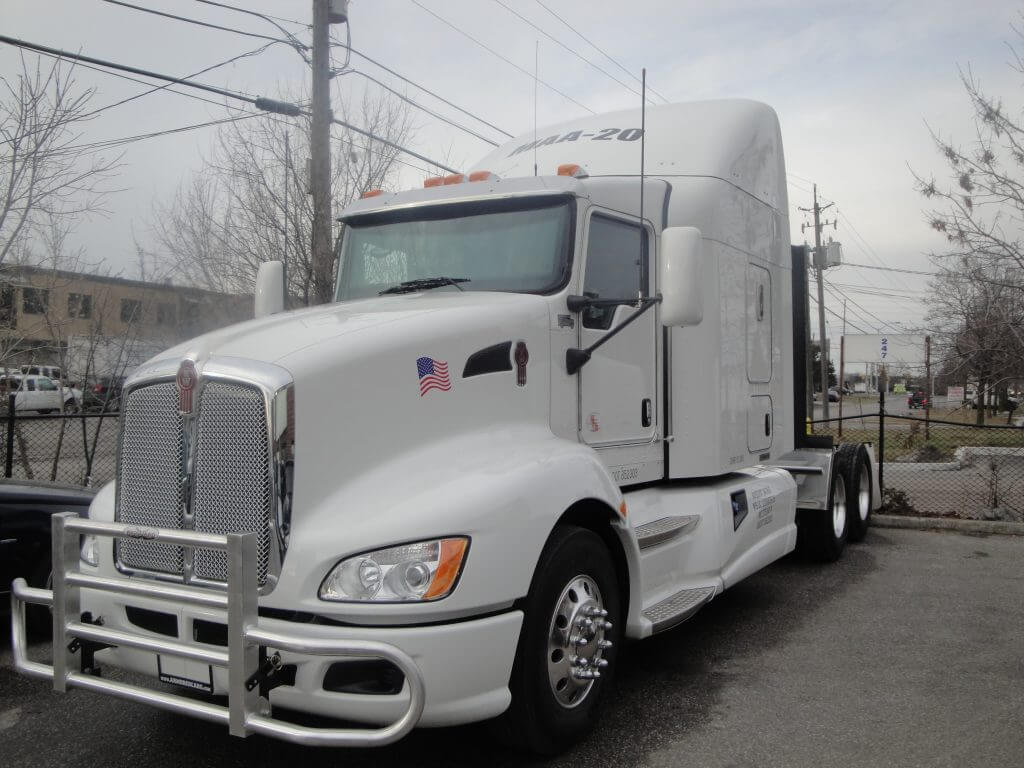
point(917, 400)
point(833, 395)
point(104, 395)
point(25, 510)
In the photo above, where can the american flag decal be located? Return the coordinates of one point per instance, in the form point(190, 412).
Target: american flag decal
point(433, 375)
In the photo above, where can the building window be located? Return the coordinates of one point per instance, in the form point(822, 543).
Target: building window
point(8, 315)
point(35, 301)
point(79, 305)
point(166, 314)
point(131, 310)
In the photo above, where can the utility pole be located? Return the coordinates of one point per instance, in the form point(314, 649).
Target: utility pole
point(820, 264)
point(320, 151)
point(287, 179)
point(842, 372)
point(927, 386)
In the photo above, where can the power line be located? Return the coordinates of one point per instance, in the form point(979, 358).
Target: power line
point(270, 105)
point(503, 58)
point(597, 48)
point(892, 269)
point(233, 59)
point(570, 50)
point(266, 16)
point(425, 90)
point(124, 68)
point(202, 23)
point(860, 310)
point(840, 317)
point(135, 80)
point(866, 246)
point(429, 111)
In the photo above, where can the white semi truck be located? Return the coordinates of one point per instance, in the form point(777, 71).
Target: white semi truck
point(556, 405)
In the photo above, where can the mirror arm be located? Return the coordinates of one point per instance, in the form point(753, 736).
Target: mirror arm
point(579, 303)
point(577, 358)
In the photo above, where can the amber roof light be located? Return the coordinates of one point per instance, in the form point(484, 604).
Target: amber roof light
point(572, 169)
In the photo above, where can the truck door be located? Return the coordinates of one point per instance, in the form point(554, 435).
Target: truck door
point(617, 387)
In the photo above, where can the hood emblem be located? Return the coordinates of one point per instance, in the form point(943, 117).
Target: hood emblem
point(186, 381)
point(522, 357)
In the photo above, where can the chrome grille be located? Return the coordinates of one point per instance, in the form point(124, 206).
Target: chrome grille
point(232, 486)
point(152, 449)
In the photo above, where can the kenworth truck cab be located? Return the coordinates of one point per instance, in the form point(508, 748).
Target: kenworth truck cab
point(557, 404)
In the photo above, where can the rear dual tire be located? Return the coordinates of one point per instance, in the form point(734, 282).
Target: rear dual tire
point(856, 470)
point(823, 536)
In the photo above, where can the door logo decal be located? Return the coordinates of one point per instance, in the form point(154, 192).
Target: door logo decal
point(433, 375)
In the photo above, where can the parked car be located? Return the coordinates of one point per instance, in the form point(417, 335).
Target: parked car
point(39, 393)
point(25, 510)
point(917, 400)
point(50, 371)
point(104, 394)
point(833, 396)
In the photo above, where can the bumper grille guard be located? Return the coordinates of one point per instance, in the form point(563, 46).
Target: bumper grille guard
point(247, 711)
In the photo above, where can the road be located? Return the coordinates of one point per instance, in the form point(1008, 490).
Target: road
point(905, 653)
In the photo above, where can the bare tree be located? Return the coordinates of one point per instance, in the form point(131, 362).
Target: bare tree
point(978, 205)
point(232, 215)
point(44, 169)
point(981, 321)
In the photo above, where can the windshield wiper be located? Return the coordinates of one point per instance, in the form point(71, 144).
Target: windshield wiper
point(424, 282)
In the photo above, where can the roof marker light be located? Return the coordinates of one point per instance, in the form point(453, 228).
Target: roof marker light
point(573, 169)
point(483, 176)
point(433, 181)
point(456, 178)
point(372, 193)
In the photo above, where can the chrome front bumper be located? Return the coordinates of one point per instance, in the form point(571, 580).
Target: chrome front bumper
point(247, 711)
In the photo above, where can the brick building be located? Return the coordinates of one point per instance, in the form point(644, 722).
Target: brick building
point(95, 325)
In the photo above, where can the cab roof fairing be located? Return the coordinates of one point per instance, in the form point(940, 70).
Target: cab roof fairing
point(736, 140)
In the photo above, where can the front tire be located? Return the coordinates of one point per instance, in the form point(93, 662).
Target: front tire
point(567, 646)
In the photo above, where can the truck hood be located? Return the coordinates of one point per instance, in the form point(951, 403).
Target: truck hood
point(362, 372)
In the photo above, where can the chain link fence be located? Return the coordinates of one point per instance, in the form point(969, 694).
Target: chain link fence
point(940, 468)
point(71, 449)
point(930, 467)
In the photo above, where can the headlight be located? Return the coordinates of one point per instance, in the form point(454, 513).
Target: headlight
point(408, 573)
point(89, 551)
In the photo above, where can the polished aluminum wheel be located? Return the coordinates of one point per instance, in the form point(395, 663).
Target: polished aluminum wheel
point(839, 506)
point(576, 641)
point(864, 493)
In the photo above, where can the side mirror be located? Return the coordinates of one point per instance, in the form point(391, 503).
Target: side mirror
point(681, 271)
point(269, 289)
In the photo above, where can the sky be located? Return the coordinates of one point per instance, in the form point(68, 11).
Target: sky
point(857, 86)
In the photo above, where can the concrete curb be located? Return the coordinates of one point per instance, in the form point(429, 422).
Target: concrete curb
point(1001, 527)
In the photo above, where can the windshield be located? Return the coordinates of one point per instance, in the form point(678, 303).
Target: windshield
point(494, 246)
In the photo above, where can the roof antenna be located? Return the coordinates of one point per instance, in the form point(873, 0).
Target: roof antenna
point(536, 58)
point(643, 139)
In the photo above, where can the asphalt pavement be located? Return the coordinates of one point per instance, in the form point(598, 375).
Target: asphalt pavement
point(907, 652)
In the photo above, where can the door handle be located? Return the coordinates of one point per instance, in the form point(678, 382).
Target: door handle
point(645, 412)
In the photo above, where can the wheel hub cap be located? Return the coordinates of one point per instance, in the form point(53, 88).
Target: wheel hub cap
point(576, 641)
point(864, 494)
point(839, 506)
